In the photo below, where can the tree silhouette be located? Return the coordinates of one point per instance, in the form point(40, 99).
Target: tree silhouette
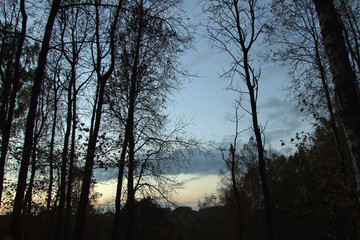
point(9, 84)
point(15, 227)
point(234, 27)
point(102, 78)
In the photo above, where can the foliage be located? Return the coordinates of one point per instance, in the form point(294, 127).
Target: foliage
point(311, 197)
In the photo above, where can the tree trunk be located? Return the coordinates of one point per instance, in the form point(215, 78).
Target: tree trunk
point(64, 161)
point(71, 120)
point(116, 223)
point(85, 188)
point(7, 118)
point(354, 30)
point(252, 88)
point(130, 205)
point(28, 195)
point(15, 225)
point(52, 143)
point(71, 166)
point(344, 78)
point(330, 108)
point(39, 125)
point(236, 191)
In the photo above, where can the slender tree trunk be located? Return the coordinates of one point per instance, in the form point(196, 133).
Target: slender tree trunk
point(130, 205)
point(129, 141)
point(15, 225)
point(252, 87)
point(6, 128)
point(236, 191)
point(72, 93)
point(116, 223)
point(71, 167)
point(64, 161)
point(130, 124)
point(344, 78)
point(52, 143)
point(39, 125)
point(53, 217)
point(51, 166)
point(28, 195)
point(93, 133)
point(85, 189)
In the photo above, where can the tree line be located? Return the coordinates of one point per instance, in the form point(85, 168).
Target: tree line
point(87, 88)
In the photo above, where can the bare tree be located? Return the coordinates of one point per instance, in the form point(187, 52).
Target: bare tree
point(234, 27)
point(72, 41)
point(55, 89)
point(229, 155)
point(102, 78)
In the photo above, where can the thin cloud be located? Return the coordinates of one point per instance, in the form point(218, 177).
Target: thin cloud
point(203, 164)
point(181, 185)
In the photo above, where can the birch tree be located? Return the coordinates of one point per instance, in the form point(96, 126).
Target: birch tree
point(344, 79)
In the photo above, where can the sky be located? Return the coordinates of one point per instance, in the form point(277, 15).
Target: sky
point(205, 102)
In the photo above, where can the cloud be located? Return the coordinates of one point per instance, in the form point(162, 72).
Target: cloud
point(204, 164)
point(201, 164)
point(277, 105)
point(103, 175)
point(182, 184)
point(283, 120)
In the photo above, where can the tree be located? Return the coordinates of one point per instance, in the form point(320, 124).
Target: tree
point(72, 41)
point(349, 13)
point(9, 83)
point(40, 128)
point(309, 190)
point(146, 72)
point(344, 79)
point(15, 227)
point(297, 41)
point(233, 164)
point(234, 27)
point(55, 88)
point(102, 78)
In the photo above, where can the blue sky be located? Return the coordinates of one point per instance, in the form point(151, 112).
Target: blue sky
point(209, 105)
point(206, 102)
